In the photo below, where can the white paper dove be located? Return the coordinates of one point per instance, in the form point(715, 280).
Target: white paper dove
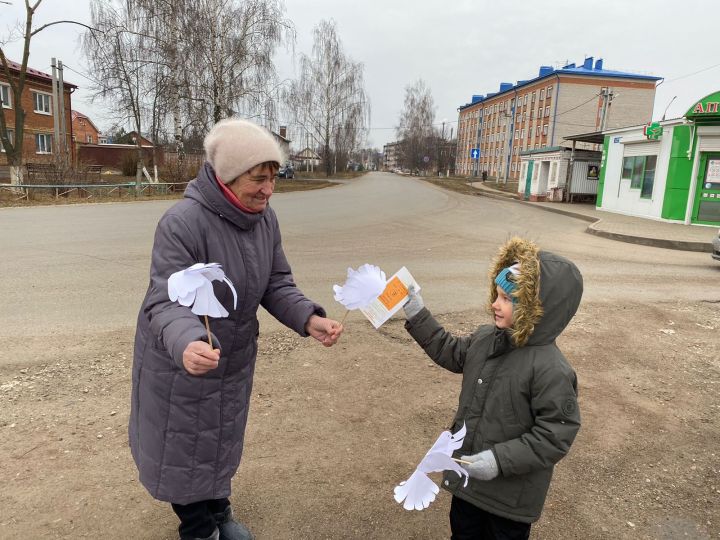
point(419, 490)
point(193, 287)
point(362, 286)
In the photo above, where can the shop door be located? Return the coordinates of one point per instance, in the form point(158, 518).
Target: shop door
point(707, 199)
point(528, 180)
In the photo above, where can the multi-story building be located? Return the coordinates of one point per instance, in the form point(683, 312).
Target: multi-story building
point(391, 154)
point(494, 129)
point(37, 101)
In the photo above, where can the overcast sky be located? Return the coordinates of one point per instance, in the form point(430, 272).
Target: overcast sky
point(460, 47)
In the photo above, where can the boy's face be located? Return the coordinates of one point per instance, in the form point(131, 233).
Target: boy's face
point(503, 309)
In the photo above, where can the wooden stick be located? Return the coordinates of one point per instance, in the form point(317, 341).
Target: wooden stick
point(345, 317)
point(461, 461)
point(207, 327)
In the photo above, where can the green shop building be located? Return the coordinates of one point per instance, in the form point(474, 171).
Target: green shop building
point(668, 170)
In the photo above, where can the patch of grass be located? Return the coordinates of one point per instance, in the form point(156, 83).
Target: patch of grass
point(47, 197)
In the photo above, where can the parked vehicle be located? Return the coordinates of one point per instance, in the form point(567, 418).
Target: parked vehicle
point(716, 247)
point(286, 172)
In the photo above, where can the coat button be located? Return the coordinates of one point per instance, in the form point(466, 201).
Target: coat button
point(479, 381)
point(447, 483)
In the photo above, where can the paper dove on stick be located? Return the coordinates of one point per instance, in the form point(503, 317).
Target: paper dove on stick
point(361, 287)
point(419, 490)
point(193, 287)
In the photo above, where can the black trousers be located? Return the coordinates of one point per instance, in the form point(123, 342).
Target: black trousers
point(197, 520)
point(468, 522)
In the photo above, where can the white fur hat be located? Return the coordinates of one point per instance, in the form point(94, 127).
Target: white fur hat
point(235, 146)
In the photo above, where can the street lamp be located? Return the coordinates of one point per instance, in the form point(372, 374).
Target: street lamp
point(668, 106)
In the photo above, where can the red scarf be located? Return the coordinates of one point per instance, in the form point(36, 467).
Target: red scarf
point(230, 196)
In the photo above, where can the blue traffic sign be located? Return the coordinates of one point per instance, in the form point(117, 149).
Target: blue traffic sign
point(475, 153)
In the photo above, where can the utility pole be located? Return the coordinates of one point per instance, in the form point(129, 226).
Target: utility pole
point(61, 108)
point(607, 95)
point(55, 108)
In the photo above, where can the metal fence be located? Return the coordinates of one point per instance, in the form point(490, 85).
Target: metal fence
point(88, 191)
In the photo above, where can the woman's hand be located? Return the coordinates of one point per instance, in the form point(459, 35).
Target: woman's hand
point(199, 358)
point(326, 331)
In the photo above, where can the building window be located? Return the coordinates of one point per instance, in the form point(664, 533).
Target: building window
point(89, 138)
point(525, 99)
point(41, 103)
point(542, 94)
point(548, 93)
point(11, 136)
point(43, 143)
point(545, 129)
point(547, 111)
point(537, 131)
point(5, 96)
point(640, 170)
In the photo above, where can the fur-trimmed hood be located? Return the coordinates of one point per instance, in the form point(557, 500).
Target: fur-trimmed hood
point(548, 293)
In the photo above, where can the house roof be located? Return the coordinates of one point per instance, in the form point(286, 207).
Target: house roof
point(77, 114)
point(589, 68)
point(34, 73)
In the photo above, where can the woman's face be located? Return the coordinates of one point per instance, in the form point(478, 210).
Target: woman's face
point(255, 187)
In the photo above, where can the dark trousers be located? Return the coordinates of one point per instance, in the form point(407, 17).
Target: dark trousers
point(468, 522)
point(197, 520)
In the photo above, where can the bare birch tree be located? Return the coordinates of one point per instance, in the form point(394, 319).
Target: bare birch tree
point(416, 133)
point(328, 101)
point(124, 65)
point(228, 65)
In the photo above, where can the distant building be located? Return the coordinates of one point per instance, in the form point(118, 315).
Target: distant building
point(669, 170)
point(283, 141)
point(391, 156)
point(84, 130)
point(306, 159)
point(39, 142)
point(538, 113)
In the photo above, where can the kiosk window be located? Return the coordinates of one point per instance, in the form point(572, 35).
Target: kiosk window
point(640, 170)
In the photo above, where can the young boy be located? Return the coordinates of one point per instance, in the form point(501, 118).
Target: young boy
point(519, 394)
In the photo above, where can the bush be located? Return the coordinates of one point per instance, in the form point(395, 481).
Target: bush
point(129, 165)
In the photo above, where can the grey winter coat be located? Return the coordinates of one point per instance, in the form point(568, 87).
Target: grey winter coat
point(186, 432)
point(519, 394)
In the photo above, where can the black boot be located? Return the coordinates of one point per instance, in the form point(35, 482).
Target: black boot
point(214, 536)
point(231, 529)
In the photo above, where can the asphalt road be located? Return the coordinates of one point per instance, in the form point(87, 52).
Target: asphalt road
point(78, 269)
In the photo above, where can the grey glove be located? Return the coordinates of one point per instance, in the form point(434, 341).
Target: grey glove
point(414, 303)
point(483, 465)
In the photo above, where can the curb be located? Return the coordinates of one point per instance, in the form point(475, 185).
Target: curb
point(680, 245)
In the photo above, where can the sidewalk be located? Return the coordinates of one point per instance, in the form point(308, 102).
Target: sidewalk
point(619, 227)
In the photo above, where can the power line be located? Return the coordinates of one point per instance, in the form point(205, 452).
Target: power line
point(84, 75)
point(691, 74)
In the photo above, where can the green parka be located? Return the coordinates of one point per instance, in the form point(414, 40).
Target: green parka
point(519, 394)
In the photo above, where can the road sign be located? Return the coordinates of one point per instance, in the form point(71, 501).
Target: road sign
point(475, 153)
point(426, 159)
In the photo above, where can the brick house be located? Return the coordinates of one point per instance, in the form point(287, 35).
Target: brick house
point(37, 102)
point(84, 130)
point(539, 113)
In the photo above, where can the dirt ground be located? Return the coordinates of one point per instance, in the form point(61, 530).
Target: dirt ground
point(332, 431)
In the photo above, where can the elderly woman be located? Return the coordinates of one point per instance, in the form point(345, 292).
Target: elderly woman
point(189, 400)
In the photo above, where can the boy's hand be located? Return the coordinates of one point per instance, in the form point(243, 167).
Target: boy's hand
point(414, 303)
point(483, 465)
